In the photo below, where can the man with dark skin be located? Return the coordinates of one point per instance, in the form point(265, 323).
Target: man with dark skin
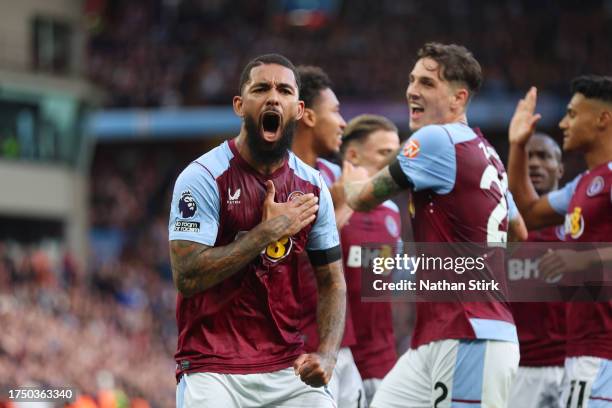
point(540, 325)
point(241, 214)
point(586, 205)
point(545, 165)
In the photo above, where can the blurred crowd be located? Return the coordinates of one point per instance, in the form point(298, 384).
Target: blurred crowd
point(190, 52)
point(109, 330)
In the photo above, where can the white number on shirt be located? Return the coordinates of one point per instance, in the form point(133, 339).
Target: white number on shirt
point(500, 212)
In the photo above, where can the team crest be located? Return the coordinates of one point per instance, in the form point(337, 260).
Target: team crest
point(412, 149)
point(294, 195)
point(596, 186)
point(392, 227)
point(187, 205)
point(574, 223)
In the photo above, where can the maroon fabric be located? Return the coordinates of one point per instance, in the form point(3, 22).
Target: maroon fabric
point(459, 216)
point(541, 325)
point(249, 322)
point(589, 325)
point(374, 351)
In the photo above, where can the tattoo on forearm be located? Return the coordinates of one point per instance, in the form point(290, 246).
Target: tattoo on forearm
point(197, 267)
point(383, 186)
point(331, 308)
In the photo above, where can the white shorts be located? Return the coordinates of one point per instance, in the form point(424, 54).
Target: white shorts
point(587, 383)
point(276, 389)
point(370, 386)
point(345, 385)
point(451, 373)
point(536, 387)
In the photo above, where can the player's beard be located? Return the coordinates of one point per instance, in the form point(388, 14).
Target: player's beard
point(263, 152)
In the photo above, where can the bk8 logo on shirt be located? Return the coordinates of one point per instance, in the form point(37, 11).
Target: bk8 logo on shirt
point(278, 250)
point(574, 223)
point(281, 248)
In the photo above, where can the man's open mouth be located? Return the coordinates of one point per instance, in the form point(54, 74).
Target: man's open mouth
point(270, 125)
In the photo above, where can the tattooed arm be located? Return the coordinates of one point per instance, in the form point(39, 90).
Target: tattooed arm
point(331, 307)
point(197, 267)
point(367, 194)
point(316, 369)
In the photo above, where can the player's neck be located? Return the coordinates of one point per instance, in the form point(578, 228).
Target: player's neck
point(302, 148)
point(600, 154)
point(245, 152)
point(462, 119)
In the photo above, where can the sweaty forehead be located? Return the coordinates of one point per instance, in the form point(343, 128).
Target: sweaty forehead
point(272, 74)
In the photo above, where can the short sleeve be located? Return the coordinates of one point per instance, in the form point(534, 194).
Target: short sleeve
point(429, 161)
point(559, 199)
point(324, 234)
point(194, 212)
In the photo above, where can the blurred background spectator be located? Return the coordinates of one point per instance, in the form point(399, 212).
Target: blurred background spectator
point(193, 50)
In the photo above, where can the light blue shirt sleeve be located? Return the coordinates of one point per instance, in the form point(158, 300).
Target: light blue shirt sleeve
point(559, 199)
point(324, 234)
point(513, 212)
point(194, 212)
point(428, 159)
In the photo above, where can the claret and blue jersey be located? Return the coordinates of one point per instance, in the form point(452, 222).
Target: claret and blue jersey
point(249, 322)
point(586, 203)
point(459, 194)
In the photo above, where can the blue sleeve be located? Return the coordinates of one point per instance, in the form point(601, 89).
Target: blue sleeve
point(559, 199)
point(324, 234)
point(513, 212)
point(194, 212)
point(428, 160)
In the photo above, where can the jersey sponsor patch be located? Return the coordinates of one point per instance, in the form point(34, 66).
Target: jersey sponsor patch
point(412, 149)
point(574, 223)
point(187, 226)
point(596, 186)
point(187, 204)
point(278, 250)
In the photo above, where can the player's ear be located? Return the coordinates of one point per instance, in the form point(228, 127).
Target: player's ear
point(560, 171)
point(352, 155)
point(300, 110)
point(460, 98)
point(605, 119)
point(309, 118)
point(237, 103)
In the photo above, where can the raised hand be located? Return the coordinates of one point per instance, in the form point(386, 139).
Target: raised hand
point(287, 219)
point(524, 119)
